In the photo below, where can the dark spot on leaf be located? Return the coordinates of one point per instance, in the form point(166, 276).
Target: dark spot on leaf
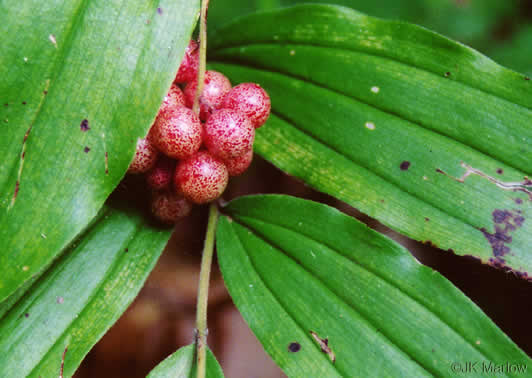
point(427, 219)
point(126, 250)
point(504, 221)
point(160, 10)
point(447, 74)
point(440, 171)
point(45, 92)
point(23, 155)
point(86, 149)
point(432, 350)
point(294, 347)
point(17, 187)
point(6, 104)
point(26, 135)
point(84, 125)
point(27, 315)
point(404, 165)
point(527, 78)
point(106, 163)
point(518, 201)
point(500, 171)
point(381, 201)
point(23, 102)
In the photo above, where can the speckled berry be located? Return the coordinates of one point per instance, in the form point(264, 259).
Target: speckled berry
point(188, 70)
point(214, 90)
point(145, 157)
point(173, 99)
point(168, 207)
point(228, 134)
point(250, 99)
point(177, 133)
point(239, 165)
point(160, 177)
point(201, 178)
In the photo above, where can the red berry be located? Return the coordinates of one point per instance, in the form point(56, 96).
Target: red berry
point(250, 99)
point(228, 134)
point(173, 99)
point(168, 207)
point(161, 175)
point(214, 90)
point(145, 157)
point(201, 178)
point(177, 132)
point(188, 70)
point(239, 165)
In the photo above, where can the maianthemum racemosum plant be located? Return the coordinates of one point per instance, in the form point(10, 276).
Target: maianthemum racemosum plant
point(415, 130)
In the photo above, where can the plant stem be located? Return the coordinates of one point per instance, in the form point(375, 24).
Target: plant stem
point(203, 291)
point(202, 54)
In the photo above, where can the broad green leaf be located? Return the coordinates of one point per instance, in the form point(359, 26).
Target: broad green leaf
point(80, 296)
point(80, 81)
point(300, 271)
point(182, 364)
point(422, 133)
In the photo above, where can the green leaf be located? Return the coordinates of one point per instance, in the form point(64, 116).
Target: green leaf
point(182, 364)
point(420, 132)
point(66, 66)
point(300, 271)
point(80, 296)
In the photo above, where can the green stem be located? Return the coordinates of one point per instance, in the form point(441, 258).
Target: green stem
point(203, 291)
point(202, 54)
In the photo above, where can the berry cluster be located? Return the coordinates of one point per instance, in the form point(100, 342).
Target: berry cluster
point(188, 158)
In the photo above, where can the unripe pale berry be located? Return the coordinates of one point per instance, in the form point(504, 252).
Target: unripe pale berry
point(168, 207)
point(177, 132)
point(188, 70)
point(239, 165)
point(250, 99)
point(214, 90)
point(145, 157)
point(161, 175)
point(201, 178)
point(228, 134)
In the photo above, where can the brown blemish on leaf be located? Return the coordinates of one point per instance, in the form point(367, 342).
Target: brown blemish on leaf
point(525, 186)
point(294, 347)
point(527, 78)
point(324, 345)
point(86, 149)
point(21, 166)
point(427, 219)
point(505, 222)
point(63, 362)
point(500, 171)
point(106, 163)
point(447, 74)
point(518, 201)
point(404, 165)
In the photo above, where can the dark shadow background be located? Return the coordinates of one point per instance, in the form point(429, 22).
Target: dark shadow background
point(162, 317)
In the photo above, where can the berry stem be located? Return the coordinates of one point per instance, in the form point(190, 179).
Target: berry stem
point(203, 291)
point(202, 54)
